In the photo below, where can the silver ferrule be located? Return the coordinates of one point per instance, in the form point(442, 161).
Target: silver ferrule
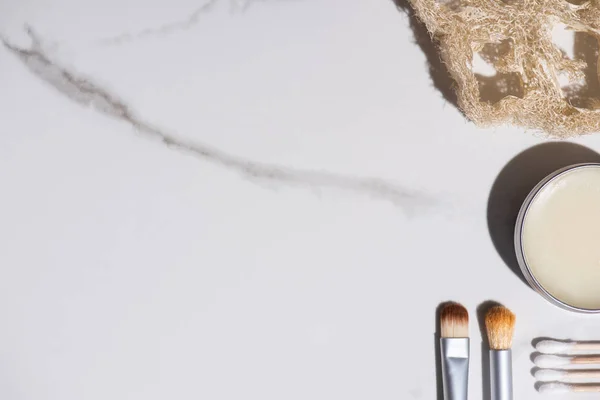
point(455, 367)
point(501, 375)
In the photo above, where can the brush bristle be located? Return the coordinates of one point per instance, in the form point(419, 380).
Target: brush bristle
point(454, 321)
point(500, 326)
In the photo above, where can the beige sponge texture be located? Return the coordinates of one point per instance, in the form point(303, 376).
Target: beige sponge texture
point(536, 85)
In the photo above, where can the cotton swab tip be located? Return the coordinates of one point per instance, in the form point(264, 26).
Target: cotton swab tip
point(549, 375)
point(554, 387)
point(554, 346)
point(550, 361)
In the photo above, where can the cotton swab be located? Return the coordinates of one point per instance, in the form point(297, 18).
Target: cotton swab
point(552, 361)
point(556, 387)
point(566, 375)
point(552, 346)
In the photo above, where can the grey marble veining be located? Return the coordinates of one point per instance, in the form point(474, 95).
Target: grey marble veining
point(169, 27)
point(85, 92)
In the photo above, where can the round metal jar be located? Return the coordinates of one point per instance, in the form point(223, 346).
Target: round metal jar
point(527, 273)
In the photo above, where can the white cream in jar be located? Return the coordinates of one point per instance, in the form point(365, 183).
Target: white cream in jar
point(560, 237)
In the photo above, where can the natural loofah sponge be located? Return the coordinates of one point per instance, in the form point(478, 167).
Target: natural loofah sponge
point(515, 37)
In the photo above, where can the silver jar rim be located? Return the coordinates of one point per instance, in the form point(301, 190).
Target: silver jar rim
point(531, 279)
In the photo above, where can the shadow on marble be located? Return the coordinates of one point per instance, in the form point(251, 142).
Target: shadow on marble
point(533, 356)
point(440, 77)
point(536, 340)
point(537, 386)
point(482, 310)
point(491, 88)
point(515, 181)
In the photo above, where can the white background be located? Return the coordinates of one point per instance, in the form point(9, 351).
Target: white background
point(129, 270)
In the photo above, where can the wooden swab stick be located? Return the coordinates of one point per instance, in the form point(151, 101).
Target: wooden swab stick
point(551, 361)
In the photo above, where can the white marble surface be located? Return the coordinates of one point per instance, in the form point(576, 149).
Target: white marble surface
point(234, 200)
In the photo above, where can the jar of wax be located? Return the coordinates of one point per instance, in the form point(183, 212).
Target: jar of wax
point(557, 238)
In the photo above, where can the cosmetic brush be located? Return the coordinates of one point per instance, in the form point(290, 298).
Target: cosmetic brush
point(454, 346)
point(552, 346)
point(557, 387)
point(500, 325)
point(567, 375)
point(552, 361)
